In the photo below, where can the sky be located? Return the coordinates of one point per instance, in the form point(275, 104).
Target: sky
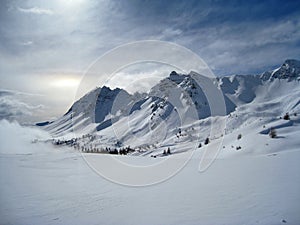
point(46, 46)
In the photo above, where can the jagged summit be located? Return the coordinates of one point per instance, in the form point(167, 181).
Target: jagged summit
point(173, 73)
point(290, 69)
point(176, 77)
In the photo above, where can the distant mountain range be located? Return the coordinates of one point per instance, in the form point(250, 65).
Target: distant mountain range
point(177, 103)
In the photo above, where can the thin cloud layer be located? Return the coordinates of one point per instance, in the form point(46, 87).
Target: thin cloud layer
point(37, 10)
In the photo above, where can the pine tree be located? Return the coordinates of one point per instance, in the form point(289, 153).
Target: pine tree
point(169, 151)
point(272, 133)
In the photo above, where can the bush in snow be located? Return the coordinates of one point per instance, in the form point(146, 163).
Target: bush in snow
point(286, 116)
point(179, 131)
point(169, 151)
point(206, 141)
point(239, 136)
point(272, 133)
point(115, 152)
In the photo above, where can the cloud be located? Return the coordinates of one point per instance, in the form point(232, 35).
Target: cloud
point(140, 77)
point(27, 43)
point(13, 92)
point(17, 139)
point(13, 109)
point(36, 10)
point(250, 47)
point(170, 34)
point(209, 28)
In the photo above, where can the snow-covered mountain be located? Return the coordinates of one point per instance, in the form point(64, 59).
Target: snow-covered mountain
point(289, 70)
point(177, 110)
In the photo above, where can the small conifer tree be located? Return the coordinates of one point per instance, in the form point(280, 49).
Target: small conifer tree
point(272, 133)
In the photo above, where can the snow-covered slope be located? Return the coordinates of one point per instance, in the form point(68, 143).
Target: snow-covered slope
point(44, 184)
point(177, 111)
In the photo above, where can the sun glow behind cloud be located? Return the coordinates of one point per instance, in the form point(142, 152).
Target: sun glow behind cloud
point(64, 82)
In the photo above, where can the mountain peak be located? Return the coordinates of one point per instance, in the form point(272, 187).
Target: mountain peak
point(107, 88)
point(292, 62)
point(290, 69)
point(173, 73)
point(176, 77)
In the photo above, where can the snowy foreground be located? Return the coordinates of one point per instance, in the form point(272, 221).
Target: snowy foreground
point(43, 184)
